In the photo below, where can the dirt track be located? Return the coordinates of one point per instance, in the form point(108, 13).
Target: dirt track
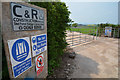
point(98, 59)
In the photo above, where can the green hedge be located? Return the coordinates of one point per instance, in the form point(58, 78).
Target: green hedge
point(57, 23)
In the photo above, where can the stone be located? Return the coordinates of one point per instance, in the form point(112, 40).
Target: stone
point(66, 72)
point(68, 64)
point(72, 55)
point(66, 76)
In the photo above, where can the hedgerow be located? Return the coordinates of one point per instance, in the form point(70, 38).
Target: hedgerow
point(57, 23)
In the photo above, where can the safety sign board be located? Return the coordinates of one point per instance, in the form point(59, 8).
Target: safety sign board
point(20, 55)
point(39, 64)
point(26, 18)
point(108, 31)
point(39, 44)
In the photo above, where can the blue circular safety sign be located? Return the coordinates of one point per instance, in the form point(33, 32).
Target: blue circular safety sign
point(33, 39)
point(34, 47)
point(20, 50)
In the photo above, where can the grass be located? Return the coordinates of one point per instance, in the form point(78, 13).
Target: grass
point(85, 30)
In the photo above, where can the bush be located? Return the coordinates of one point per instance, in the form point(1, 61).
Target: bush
point(57, 23)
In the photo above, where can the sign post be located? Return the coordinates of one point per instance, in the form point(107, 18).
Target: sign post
point(108, 31)
point(24, 32)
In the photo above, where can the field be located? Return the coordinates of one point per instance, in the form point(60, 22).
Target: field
point(85, 29)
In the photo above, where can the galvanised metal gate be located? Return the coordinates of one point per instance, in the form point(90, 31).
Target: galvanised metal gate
point(77, 36)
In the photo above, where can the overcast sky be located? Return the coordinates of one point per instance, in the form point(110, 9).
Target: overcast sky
point(93, 12)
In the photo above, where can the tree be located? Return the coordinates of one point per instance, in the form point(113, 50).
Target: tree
point(74, 25)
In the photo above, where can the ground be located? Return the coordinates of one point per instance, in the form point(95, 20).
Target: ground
point(97, 59)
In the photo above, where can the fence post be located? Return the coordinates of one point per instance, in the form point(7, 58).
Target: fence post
point(96, 33)
point(118, 32)
point(89, 35)
point(79, 37)
point(72, 37)
point(114, 33)
point(85, 38)
point(103, 32)
point(93, 34)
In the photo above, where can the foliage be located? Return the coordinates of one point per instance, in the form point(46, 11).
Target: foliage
point(107, 25)
point(74, 25)
point(57, 23)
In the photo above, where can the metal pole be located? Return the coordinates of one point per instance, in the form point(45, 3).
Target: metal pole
point(99, 31)
point(114, 33)
point(103, 32)
point(96, 33)
point(72, 37)
point(118, 32)
point(85, 37)
point(93, 34)
point(79, 37)
point(89, 35)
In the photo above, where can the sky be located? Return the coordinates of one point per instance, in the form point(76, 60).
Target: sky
point(93, 12)
point(90, 0)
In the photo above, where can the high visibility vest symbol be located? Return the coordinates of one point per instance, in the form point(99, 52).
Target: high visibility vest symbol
point(20, 50)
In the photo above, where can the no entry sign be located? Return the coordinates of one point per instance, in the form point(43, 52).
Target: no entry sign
point(20, 54)
point(39, 64)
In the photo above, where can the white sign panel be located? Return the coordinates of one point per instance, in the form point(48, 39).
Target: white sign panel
point(39, 44)
point(26, 18)
point(108, 31)
point(39, 64)
point(20, 55)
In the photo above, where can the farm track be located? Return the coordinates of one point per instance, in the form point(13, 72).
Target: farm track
point(96, 59)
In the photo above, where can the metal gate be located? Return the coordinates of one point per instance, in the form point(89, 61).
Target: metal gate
point(79, 36)
point(112, 33)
